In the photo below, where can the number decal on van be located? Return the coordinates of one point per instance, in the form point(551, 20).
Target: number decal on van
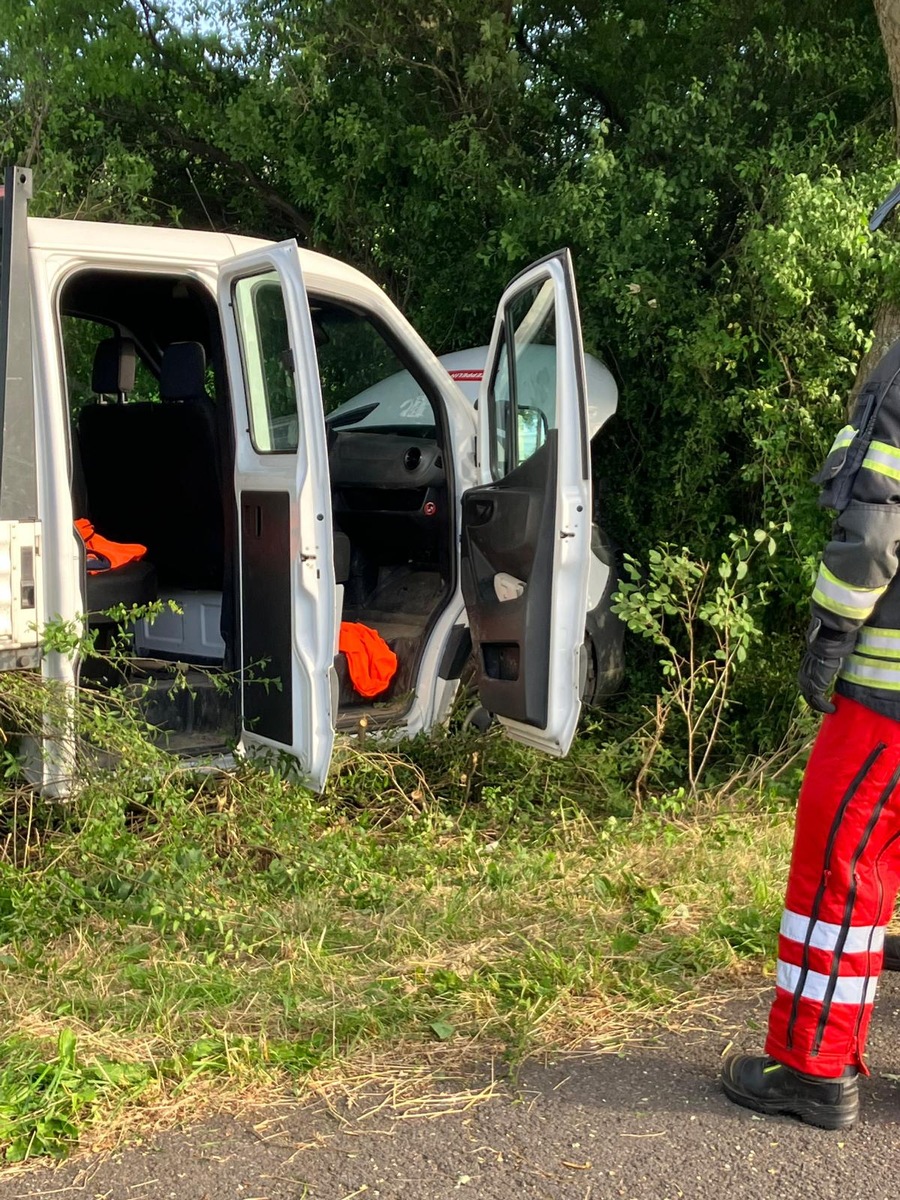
point(415, 408)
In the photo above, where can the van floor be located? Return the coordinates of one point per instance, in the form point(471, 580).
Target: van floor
point(391, 626)
point(404, 636)
point(401, 608)
point(402, 591)
point(198, 719)
point(194, 745)
point(193, 712)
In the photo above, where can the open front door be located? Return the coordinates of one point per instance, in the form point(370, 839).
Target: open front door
point(286, 572)
point(526, 530)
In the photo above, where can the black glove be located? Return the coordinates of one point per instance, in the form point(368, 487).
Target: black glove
point(826, 650)
point(815, 678)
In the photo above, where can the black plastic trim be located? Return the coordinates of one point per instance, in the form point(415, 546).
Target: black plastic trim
point(266, 615)
point(457, 651)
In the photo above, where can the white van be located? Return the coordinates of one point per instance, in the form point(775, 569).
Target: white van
point(174, 388)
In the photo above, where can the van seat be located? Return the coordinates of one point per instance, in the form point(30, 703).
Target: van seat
point(153, 473)
point(135, 583)
point(114, 368)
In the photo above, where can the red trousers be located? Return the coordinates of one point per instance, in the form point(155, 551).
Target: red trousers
point(845, 872)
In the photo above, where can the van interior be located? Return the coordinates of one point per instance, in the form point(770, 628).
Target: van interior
point(152, 460)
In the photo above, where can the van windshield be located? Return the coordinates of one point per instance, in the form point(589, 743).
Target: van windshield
point(364, 382)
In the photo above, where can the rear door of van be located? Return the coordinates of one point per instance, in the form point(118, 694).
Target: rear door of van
point(19, 527)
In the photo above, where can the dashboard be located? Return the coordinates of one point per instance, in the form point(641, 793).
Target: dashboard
point(368, 459)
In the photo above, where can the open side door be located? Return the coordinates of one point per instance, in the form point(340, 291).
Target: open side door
point(288, 615)
point(526, 529)
point(20, 543)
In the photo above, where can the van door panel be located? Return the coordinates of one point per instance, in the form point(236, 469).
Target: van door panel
point(266, 591)
point(526, 529)
point(288, 610)
point(508, 530)
point(18, 456)
point(21, 574)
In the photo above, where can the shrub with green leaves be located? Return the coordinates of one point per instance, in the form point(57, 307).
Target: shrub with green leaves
point(704, 621)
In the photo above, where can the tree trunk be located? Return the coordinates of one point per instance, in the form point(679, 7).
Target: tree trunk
point(888, 14)
point(887, 330)
point(887, 318)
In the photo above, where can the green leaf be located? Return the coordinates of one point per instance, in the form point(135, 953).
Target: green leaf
point(65, 1048)
point(624, 943)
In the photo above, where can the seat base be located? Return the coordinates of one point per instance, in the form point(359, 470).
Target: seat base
point(135, 583)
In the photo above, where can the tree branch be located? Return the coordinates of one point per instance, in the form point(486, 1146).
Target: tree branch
point(302, 223)
point(591, 90)
point(149, 13)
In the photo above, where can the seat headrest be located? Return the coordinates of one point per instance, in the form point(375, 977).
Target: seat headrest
point(182, 374)
point(113, 372)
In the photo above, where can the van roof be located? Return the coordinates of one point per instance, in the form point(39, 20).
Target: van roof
point(99, 239)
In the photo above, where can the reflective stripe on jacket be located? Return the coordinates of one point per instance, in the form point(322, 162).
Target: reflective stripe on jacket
point(857, 589)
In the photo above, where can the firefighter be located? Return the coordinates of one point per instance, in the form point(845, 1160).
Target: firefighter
point(845, 866)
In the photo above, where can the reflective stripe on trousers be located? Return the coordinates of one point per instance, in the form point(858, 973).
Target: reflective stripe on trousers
point(845, 873)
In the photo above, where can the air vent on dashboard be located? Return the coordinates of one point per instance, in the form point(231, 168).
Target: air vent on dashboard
point(412, 458)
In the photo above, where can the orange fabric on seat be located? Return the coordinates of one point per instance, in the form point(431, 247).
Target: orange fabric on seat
point(371, 662)
point(104, 554)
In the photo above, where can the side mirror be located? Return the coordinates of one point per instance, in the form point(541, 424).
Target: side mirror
point(532, 431)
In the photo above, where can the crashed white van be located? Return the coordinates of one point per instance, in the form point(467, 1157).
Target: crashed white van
point(174, 388)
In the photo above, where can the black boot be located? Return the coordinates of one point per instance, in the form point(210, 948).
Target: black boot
point(767, 1086)
point(891, 961)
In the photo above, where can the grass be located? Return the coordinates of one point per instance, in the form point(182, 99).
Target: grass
point(168, 941)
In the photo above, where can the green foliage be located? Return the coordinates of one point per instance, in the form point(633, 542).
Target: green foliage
point(42, 1103)
point(709, 173)
point(705, 624)
point(213, 931)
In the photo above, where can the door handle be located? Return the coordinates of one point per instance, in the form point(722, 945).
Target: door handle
point(253, 520)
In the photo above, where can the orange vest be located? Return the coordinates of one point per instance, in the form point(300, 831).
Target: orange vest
point(371, 662)
point(104, 555)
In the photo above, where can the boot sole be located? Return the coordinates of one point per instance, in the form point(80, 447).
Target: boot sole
point(810, 1112)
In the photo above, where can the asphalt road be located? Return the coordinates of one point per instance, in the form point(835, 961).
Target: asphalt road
point(648, 1123)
